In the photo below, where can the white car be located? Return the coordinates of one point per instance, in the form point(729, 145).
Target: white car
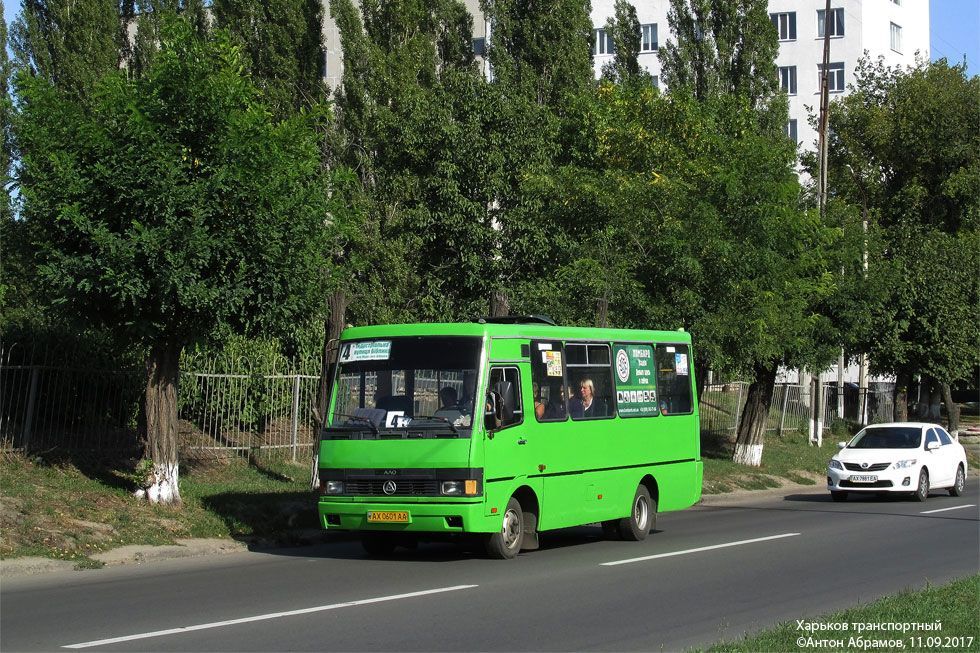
point(908, 457)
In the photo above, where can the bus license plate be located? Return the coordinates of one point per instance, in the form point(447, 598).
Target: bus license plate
point(388, 516)
point(864, 478)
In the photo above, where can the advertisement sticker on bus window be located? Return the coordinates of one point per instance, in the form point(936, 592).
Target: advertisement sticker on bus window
point(372, 350)
point(552, 359)
point(636, 393)
point(544, 346)
point(680, 364)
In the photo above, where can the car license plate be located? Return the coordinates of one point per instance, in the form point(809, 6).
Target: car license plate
point(388, 516)
point(864, 478)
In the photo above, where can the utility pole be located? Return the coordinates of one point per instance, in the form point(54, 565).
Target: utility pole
point(816, 402)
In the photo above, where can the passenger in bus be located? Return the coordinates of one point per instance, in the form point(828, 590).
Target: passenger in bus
point(586, 405)
point(555, 408)
point(539, 407)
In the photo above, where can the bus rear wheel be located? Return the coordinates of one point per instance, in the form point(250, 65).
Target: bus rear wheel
point(505, 544)
point(642, 518)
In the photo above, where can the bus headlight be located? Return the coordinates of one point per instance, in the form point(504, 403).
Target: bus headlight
point(333, 487)
point(458, 488)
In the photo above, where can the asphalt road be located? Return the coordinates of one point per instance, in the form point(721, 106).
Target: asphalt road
point(708, 573)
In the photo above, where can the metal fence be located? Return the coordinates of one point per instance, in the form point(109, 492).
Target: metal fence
point(232, 407)
point(721, 407)
point(44, 406)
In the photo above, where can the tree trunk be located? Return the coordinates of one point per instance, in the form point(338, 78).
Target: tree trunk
point(602, 313)
point(162, 369)
point(952, 410)
point(499, 304)
point(752, 426)
point(336, 317)
point(902, 382)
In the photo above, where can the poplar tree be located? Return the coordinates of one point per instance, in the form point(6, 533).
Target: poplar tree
point(71, 43)
point(283, 40)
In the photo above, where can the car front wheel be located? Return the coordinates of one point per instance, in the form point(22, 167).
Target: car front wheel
point(959, 483)
point(922, 490)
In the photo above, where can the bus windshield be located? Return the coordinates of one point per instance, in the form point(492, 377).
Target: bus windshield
point(405, 387)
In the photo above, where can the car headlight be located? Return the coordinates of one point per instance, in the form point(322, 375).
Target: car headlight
point(458, 488)
point(903, 464)
point(333, 487)
point(835, 464)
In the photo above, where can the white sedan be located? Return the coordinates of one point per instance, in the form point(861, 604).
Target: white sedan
point(908, 457)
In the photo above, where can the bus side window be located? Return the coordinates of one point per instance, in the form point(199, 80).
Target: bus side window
point(548, 381)
point(590, 381)
point(506, 381)
point(674, 379)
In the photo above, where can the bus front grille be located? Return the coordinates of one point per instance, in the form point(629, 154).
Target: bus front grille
point(403, 488)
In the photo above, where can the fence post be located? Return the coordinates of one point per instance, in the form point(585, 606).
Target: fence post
point(31, 400)
point(295, 413)
point(782, 416)
point(738, 406)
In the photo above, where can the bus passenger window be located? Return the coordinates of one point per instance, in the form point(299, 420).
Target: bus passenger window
point(590, 381)
point(506, 381)
point(548, 381)
point(673, 364)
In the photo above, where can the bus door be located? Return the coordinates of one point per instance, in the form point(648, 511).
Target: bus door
point(508, 447)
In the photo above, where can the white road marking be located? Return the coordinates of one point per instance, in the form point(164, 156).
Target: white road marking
point(697, 550)
point(263, 617)
point(929, 512)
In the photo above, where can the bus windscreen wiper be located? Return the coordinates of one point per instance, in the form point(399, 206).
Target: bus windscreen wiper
point(440, 418)
point(359, 419)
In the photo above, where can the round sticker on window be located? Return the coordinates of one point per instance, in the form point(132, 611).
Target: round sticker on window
point(622, 366)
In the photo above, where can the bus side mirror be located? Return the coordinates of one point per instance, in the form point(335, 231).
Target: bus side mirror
point(493, 412)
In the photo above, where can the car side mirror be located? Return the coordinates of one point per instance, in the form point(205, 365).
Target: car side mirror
point(933, 444)
point(841, 445)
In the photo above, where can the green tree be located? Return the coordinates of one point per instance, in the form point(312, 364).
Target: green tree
point(284, 42)
point(6, 202)
point(542, 48)
point(172, 207)
point(71, 43)
point(905, 151)
point(722, 47)
point(412, 109)
point(623, 28)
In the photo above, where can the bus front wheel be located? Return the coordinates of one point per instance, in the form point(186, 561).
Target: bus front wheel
point(505, 544)
point(642, 518)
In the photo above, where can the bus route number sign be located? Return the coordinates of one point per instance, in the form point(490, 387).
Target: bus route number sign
point(636, 393)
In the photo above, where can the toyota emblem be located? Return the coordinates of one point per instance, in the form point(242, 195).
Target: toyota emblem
point(389, 487)
point(863, 466)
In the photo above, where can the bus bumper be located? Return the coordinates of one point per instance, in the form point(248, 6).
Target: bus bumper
point(421, 517)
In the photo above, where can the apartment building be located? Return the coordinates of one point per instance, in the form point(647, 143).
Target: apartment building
point(897, 30)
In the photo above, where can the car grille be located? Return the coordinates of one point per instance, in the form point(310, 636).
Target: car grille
point(403, 488)
point(855, 467)
point(878, 484)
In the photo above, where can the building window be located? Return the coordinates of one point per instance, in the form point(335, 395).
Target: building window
point(648, 40)
point(655, 81)
point(835, 76)
point(791, 133)
point(833, 22)
point(787, 79)
point(602, 43)
point(896, 38)
point(785, 25)
point(480, 47)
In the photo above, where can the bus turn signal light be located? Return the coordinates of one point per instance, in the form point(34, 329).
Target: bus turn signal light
point(470, 489)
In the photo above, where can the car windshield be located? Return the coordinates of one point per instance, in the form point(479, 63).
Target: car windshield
point(405, 387)
point(887, 437)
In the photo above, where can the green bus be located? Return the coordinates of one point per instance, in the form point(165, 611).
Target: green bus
point(507, 428)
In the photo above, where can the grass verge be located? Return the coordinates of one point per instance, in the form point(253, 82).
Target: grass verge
point(787, 458)
point(955, 606)
point(71, 510)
